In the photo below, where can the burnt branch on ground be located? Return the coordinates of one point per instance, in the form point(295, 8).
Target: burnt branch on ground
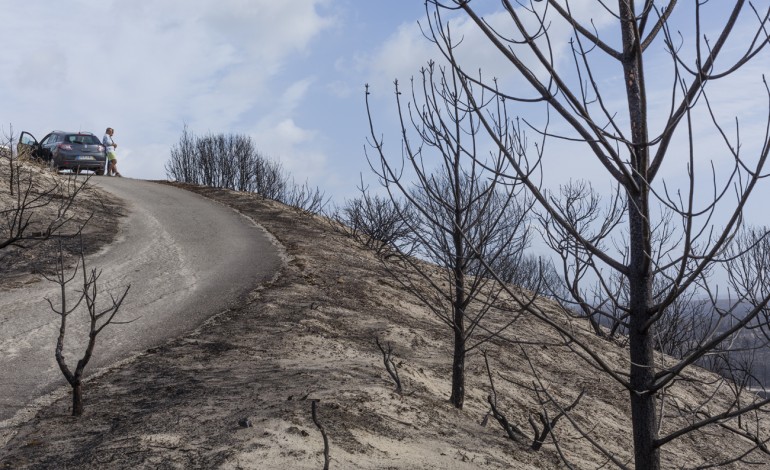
point(390, 366)
point(313, 406)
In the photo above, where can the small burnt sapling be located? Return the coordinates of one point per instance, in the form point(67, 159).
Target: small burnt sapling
point(314, 414)
point(99, 318)
point(390, 366)
point(547, 420)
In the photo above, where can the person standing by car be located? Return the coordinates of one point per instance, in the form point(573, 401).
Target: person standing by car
point(111, 165)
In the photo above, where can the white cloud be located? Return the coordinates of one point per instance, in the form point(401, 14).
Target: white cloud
point(288, 73)
point(401, 57)
point(407, 50)
point(289, 134)
point(281, 138)
point(146, 68)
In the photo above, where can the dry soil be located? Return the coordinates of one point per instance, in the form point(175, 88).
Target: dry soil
point(237, 391)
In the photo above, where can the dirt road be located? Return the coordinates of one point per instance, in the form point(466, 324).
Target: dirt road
point(185, 259)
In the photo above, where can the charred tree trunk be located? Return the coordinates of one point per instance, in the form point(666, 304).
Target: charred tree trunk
point(458, 362)
point(458, 358)
point(641, 343)
point(641, 338)
point(77, 399)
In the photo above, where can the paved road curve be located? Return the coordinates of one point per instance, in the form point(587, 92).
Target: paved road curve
point(185, 257)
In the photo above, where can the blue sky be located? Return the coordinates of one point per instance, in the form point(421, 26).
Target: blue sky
point(290, 74)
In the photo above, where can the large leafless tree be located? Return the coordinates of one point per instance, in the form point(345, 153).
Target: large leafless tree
point(657, 243)
point(459, 215)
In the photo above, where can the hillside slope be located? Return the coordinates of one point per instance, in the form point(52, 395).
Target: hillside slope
point(310, 336)
point(44, 196)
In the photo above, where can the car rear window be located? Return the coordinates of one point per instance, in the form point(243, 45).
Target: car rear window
point(82, 139)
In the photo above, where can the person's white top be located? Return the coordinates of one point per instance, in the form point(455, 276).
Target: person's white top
point(109, 145)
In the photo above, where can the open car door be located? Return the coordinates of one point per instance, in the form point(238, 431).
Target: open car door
point(28, 146)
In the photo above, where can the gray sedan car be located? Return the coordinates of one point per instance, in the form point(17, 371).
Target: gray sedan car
point(76, 151)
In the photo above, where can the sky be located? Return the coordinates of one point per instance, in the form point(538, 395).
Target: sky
point(290, 74)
